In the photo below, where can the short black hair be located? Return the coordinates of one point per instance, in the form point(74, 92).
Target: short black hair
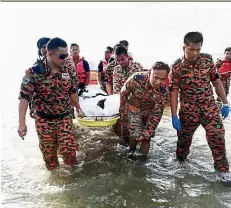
point(74, 44)
point(110, 49)
point(159, 65)
point(54, 43)
point(124, 42)
point(227, 49)
point(121, 50)
point(42, 41)
point(193, 37)
point(118, 45)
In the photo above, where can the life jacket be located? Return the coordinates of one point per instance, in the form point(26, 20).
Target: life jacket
point(225, 68)
point(80, 71)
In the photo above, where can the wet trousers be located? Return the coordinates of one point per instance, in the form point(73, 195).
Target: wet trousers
point(54, 134)
point(207, 114)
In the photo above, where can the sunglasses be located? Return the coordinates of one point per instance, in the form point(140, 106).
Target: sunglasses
point(61, 56)
point(107, 52)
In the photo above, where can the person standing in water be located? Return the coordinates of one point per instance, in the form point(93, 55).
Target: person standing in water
point(82, 67)
point(190, 76)
point(54, 88)
point(101, 67)
point(142, 99)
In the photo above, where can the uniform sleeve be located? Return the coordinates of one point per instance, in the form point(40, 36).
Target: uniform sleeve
point(108, 73)
point(140, 67)
point(125, 91)
point(153, 121)
point(27, 86)
point(100, 67)
point(86, 66)
point(116, 80)
point(213, 74)
point(174, 80)
point(74, 81)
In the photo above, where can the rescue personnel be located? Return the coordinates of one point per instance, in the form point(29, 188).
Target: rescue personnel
point(82, 68)
point(191, 77)
point(144, 96)
point(42, 44)
point(53, 85)
point(224, 68)
point(121, 73)
point(109, 71)
point(126, 45)
point(101, 67)
point(42, 51)
point(125, 68)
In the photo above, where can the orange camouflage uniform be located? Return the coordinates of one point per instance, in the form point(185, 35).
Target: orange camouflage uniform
point(52, 105)
point(109, 71)
point(121, 74)
point(144, 103)
point(198, 106)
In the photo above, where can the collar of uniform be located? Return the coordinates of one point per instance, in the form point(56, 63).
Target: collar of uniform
point(59, 70)
point(146, 81)
point(129, 65)
point(186, 62)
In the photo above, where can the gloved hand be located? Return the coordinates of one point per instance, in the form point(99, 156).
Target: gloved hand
point(176, 123)
point(225, 111)
point(81, 114)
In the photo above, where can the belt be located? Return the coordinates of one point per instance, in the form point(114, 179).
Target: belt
point(50, 116)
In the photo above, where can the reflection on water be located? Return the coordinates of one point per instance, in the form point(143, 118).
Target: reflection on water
point(105, 176)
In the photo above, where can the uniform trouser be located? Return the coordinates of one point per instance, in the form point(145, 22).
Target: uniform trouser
point(137, 123)
point(191, 116)
point(123, 122)
point(53, 134)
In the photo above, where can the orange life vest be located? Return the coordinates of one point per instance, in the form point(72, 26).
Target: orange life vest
point(226, 67)
point(80, 71)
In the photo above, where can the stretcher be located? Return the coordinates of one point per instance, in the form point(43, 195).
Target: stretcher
point(98, 121)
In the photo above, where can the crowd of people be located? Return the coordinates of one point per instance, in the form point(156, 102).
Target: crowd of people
point(52, 86)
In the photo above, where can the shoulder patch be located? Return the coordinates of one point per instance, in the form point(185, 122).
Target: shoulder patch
point(139, 77)
point(26, 79)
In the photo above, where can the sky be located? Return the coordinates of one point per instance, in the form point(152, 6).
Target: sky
point(155, 31)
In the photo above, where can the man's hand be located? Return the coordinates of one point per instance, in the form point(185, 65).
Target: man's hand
point(22, 130)
point(81, 114)
point(176, 123)
point(225, 111)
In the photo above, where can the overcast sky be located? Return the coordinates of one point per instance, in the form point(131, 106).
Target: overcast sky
point(155, 31)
